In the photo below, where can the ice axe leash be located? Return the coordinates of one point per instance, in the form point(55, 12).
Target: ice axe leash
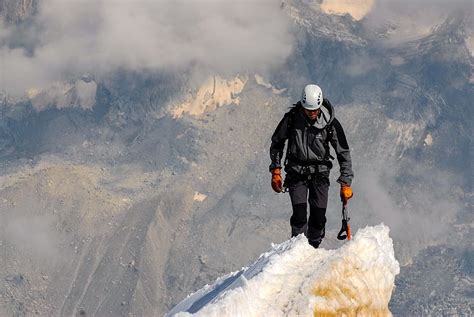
point(345, 231)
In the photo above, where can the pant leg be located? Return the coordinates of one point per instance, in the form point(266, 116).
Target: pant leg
point(318, 201)
point(298, 194)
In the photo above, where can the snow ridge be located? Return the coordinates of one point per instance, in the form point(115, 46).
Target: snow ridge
point(293, 279)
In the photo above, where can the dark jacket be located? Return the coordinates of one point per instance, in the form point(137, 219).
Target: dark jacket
point(308, 144)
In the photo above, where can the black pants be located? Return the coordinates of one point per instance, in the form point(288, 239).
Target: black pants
point(315, 192)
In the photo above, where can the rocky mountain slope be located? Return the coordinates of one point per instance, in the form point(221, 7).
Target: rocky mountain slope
point(125, 204)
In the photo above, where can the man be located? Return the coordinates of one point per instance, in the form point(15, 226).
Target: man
point(309, 127)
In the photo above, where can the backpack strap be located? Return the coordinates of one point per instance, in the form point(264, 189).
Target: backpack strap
point(291, 124)
point(291, 115)
point(329, 134)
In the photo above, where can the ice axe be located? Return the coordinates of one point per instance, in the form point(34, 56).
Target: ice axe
point(345, 231)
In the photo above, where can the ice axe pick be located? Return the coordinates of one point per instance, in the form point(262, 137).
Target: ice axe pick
point(345, 231)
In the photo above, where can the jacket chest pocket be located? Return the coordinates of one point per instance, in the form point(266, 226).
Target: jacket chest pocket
point(317, 143)
point(316, 136)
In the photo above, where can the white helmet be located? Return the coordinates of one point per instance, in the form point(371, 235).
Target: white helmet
point(312, 97)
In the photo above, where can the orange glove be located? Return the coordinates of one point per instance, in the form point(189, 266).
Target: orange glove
point(346, 193)
point(277, 183)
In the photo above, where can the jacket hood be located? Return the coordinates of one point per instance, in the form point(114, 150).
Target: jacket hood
point(325, 117)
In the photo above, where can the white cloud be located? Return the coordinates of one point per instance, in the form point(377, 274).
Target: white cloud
point(360, 65)
point(85, 36)
point(418, 218)
point(62, 95)
point(33, 234)
point(407, 20)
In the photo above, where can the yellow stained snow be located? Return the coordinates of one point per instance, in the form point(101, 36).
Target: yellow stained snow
point(359, 279)
point(356, 8)
point(214, 93)
point(351, 290)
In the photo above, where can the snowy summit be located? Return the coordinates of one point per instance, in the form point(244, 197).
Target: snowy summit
point(294, 279)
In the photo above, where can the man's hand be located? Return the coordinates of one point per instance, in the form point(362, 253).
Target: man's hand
point(346, 193)
point(277, 183)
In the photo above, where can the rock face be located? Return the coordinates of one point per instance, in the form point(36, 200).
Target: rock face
point(102, 207)
point(214, 93)
point(14, 11)
point(81, 94)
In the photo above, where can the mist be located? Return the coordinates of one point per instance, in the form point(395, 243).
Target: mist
point(418, 215)
point(68, 39)
point(32, 235)
point(104, 210)
point(409, 20)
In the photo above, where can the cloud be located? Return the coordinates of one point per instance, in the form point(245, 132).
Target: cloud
point(30, 234)
point(407, 20)
point(419, 205)
point(399, 182)
point(70, 38)
point(360, 64)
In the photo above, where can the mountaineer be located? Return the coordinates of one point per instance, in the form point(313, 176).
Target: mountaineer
point(310, 126)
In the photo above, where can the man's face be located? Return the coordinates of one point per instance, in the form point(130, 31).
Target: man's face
point(312, 114)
